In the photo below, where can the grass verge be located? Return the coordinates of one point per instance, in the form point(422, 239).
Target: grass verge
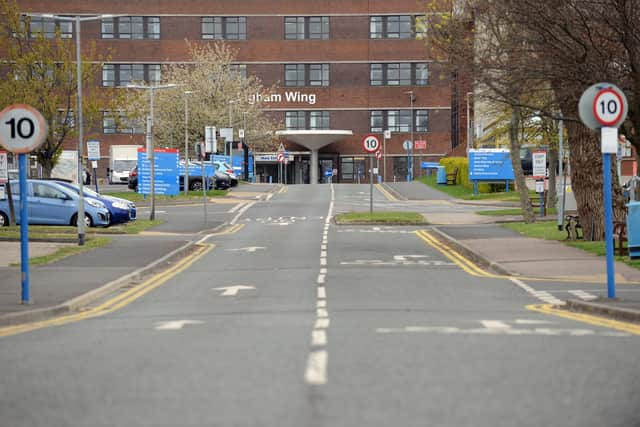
point(193, 195)
point(514, 211)
point(461, 192)
point(89, 244)
point(402, 218)
point(62, 233)
point(549, 230)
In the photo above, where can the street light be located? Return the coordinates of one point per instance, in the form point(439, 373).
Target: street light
point(412, 99)
point(77, 19)
point(186, 141)
point(150, 153)
point(244, 146)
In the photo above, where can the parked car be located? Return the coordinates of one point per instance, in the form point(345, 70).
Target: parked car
point(50, 203)
point(133, 179)
point(121, 210)
point(226, 169)
point(216, 180)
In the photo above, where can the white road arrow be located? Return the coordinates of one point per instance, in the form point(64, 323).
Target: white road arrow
point(230, 291)
point(247, 249)
point(174, 325)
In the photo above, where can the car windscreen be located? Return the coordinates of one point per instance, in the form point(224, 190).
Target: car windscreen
point(124, 165)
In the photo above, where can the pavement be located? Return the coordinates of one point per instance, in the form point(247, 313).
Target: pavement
point(78, 280)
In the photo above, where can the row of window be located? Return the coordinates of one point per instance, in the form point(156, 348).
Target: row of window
point(234, 27)
point(380, 120)
point(295, 75)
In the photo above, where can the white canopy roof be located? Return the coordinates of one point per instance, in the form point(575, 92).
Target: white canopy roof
point(314, 139)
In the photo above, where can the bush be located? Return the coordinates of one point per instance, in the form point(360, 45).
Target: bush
point(462, 163)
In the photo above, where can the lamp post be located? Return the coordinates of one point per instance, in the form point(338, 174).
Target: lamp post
point(412, 99)
point(231, 102)
point(186, 141)
point(77, 19)
point(150, 148)
point(245, 147)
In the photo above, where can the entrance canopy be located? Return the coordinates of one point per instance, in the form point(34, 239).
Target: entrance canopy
point(314, 140)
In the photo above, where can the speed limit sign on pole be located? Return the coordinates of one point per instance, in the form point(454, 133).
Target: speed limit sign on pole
point(370, 143)
point(604, 106)
point(22, 128)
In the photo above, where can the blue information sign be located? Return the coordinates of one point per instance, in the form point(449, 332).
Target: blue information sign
point(166, 172)
point(490, 165)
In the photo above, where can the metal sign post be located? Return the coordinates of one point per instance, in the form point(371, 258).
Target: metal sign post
point(604, 106)
point(371, 144)
point(93, 155)
point(22, 130)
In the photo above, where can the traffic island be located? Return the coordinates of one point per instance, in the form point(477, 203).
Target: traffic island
point(380, 218)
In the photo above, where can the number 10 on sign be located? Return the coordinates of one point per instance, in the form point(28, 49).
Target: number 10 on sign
point(370, 143)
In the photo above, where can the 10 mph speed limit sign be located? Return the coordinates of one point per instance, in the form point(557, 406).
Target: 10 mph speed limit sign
point(608, 107)
point(22, 128)
point(370, 143)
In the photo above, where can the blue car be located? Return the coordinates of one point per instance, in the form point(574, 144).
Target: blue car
point(121, 210)
point(50, 203)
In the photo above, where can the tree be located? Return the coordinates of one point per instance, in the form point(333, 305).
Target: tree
point(217, 91)
point(40, 70)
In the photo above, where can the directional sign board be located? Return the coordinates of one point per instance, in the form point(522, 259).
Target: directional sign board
point(407, 145)
point(378, 154)
point(539, 161)
point(166, 162)
point(22, 128)
point(370, 143)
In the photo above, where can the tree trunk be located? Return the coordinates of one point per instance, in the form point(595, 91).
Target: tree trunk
point(514, 144)
point(45, 160)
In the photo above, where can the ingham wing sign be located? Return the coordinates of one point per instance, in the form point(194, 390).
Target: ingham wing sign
point(22, 128)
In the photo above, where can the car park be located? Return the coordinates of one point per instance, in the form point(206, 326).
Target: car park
point(50, 203)
point(121, 210)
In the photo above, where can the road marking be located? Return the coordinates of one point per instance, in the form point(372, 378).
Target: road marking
point(494, 324)
point(242, 211)
point(229, 230)
point(316, 373)
point(322, 323)
point(323, 247)
point(118, 301)
point(322, 303)
point(583, 295)
point(386, 193)
point(321, 312)
point(323, 254)
point(321, 278)
point(532, 322)
point(378, 262)
point(318, 338)
point(323, 261)
point(247, 249)
point(230, 291)
point(174, 325)
point(322, 292)
point(323, 271)
point(586, 318)
point(236, 207)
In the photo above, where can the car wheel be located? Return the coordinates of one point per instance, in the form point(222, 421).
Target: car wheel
point(195, 185)
point(87, 220)
point(4, 220)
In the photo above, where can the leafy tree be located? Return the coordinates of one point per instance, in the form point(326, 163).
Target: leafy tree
point(41, 72)
point(217, 91)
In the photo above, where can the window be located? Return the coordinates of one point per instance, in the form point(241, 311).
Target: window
point(123, 74)
point(47, 191)
point(306, 75)
point(224, 27)
point(131, 27)
point(400, 74)
point(391, 27)
point(319, 120)
point(120, 123)
point(239, 69)
point(297, 120)
point(309, 27)
point(398, 120)
point(47, 27)
point(351, 168)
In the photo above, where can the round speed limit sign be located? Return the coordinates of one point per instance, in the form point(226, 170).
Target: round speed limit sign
point(370, 143)
point(22, 128)
point(608, 107)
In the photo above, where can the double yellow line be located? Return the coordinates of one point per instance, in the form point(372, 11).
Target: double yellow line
point(118, 301)
point(472, 269)
point(386, 193)
point(462, 262)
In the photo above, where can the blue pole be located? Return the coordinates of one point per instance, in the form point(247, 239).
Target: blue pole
point(24, 228)
point(608, 224)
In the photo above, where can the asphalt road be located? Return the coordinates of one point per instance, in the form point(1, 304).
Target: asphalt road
point(293, 321)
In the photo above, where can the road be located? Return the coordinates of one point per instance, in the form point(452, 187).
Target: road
point(294, 321)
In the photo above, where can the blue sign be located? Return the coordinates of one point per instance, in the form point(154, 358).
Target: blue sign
point(328, 172)
point(166, 161)
point(490, 165)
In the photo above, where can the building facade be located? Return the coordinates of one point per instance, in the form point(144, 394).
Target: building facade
point(357, 65)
